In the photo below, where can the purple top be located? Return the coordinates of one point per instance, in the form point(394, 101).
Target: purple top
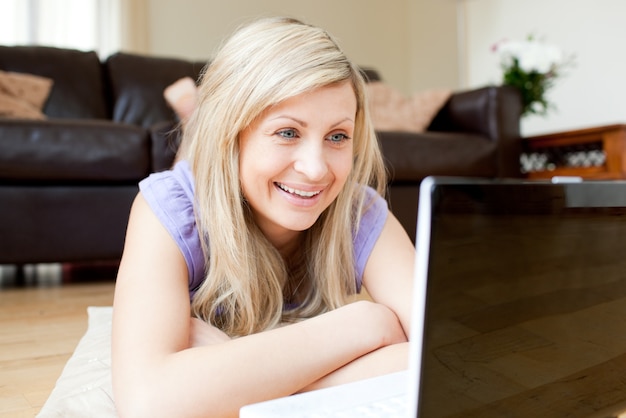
point(170, 194)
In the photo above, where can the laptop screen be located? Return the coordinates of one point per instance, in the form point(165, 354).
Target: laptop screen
point(526, 300)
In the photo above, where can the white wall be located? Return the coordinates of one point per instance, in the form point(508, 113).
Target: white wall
point(372, 32)
point(434, 54)
point(593, 91)
point(413, 43)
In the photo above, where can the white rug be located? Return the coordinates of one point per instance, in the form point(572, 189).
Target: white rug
point(84, 387)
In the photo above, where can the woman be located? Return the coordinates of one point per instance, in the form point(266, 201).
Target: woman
point(241, 262)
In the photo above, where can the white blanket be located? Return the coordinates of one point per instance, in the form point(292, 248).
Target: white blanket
point(84, 387)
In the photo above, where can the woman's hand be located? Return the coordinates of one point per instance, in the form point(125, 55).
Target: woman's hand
point(202, 334)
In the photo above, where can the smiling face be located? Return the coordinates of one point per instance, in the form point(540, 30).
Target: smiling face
point(295, 159)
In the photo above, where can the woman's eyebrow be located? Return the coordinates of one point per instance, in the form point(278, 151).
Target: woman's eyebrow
point(298, 121)
point(304, 124)
point(346, 119)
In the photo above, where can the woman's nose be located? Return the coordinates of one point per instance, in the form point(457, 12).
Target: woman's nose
point(311, 160)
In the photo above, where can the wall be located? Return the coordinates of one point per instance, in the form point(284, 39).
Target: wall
point(593, 91)
point(371, 32)
point(433, 42)
point(411, 42)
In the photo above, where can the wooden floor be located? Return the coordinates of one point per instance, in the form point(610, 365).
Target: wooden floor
point(40, 326)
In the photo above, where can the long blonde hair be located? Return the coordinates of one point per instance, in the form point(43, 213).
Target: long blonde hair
point(263, 64)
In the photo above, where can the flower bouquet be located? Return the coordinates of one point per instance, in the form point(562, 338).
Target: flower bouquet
point(531, 66)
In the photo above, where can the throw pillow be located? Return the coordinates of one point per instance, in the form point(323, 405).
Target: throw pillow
point(14, 108)
point(182, 97)
point(390, 110)
point(23, 95)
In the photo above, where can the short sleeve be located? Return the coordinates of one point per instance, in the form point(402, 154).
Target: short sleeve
point(371, 225)
point(170, 195)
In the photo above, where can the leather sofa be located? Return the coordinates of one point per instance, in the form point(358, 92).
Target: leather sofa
point(67, 182)
point(475, 134)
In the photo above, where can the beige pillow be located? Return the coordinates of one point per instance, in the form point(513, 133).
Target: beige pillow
point(182, 97)
point(84, 388)
point(14, 108)
point(392, 111)
point(23, 95)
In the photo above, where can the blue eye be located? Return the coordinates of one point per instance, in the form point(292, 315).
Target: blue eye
point(288, 133)
point(338, 137)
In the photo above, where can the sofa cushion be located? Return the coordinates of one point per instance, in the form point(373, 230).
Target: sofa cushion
point(391, 110)
point(165, 139)
point(78, 90)
point(137, 83)
point(77, 151)
point(370, 74)
point(182, 97)
point(16, 108)
point(410, 157)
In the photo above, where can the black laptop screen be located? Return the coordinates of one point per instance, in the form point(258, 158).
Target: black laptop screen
point(526, 301)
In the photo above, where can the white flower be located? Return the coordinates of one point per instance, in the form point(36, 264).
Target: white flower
point(532, 56)
point(532, 67)
point(536, 107)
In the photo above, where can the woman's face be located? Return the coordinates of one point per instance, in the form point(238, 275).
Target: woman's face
point(295, 159)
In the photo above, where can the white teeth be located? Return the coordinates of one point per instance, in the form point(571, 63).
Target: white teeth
point(297, 192)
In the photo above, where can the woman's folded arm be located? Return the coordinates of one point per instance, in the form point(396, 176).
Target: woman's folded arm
point(157, 372)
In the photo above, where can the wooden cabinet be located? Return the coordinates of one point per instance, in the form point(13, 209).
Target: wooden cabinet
point(592, 153)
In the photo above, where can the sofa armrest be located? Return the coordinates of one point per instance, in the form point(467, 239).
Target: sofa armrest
point(486, 111)
point(72, 150)
point(493, 112)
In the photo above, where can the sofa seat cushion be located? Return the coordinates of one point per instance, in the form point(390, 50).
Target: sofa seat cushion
point(73, 151)
point(78, 90)
point(138, 82)
point(411, 156)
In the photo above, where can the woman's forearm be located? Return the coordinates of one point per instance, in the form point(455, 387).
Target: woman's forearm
point(388, 359)
point(218, 379)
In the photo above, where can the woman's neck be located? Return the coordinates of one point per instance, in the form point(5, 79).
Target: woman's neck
point(288, 244)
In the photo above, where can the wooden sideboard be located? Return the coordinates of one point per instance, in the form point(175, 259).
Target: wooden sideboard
point(592, 153)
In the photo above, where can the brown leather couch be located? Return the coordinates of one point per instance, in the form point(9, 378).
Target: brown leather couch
point(67, 182)
point(475, 134)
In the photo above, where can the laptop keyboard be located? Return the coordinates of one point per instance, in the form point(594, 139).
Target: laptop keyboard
point(394, 407)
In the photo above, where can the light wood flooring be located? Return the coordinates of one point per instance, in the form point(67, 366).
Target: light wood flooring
point(40, 326)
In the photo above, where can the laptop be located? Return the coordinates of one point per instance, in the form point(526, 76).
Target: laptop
point(519, 308)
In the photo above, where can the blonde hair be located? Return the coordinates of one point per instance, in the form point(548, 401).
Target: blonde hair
point(261, 65)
